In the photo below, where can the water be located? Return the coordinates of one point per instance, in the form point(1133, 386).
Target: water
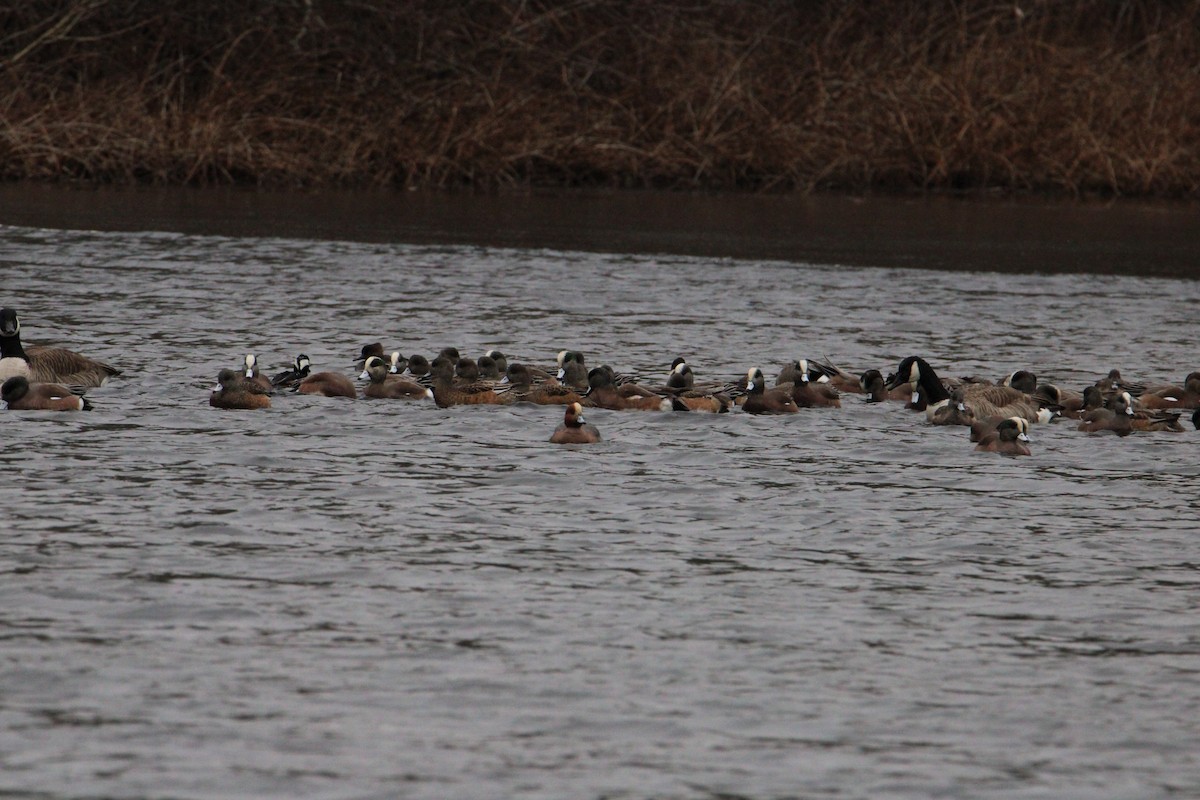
point(337, 599)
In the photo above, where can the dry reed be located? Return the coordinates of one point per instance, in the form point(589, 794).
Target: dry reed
point(1064, 96)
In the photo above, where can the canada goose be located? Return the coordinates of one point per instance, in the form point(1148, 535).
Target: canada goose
point(21, 395)
point(45, 364)
point(985, 400)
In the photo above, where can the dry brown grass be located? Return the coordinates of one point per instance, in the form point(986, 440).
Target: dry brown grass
point(1067, 96)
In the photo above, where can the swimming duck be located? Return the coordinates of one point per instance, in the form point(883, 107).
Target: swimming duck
point(1009, 438)
point(1022, 380)
point(447, 392)
point(385, 386)
point(1067, 403)
point(985, 400)
point(328, 384)
point(809, 394)
point(760, 400)
point(1186, 396)
point(681, 384)
point(574, 428)
point(603, 393)
point(872, 384)
point(290, 378)
point(500, 359)
point(252, 375)
point(21, 395)
point(525, 389)
point(234, 391)
point(45, 364)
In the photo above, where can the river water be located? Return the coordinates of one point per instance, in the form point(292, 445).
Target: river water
point(352, 599)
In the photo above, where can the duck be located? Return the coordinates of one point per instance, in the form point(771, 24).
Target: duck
point(1144, 419)
point(489, 368)
point(234, 391)
point(526, 389)
point(21, 395)
point(252, 374)
point(955, 412)
point(1122, 419)
point(872, 384)
point(1009, 438)
point(290, 378)
point(1022, 380)
point(46, 364)
point(328, 384)
point(385, 386)
point(681, 384)
point(809, 394)
point(984, 399)
point(396, 363)
point(574, 428)
point(500, 359)
point(573, 374)
point(828, 372)
point(1112, 384)
point(1067, 403)
point(447, 392)
point(603, 393)
point(983, 428)
point(368, 350)
point(1185, 396)
point(417, 369)
point(760, 400)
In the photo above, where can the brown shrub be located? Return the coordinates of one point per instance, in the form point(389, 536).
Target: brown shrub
point(1074, 96)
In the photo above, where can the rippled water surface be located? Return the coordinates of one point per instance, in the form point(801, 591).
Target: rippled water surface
point(352, 599)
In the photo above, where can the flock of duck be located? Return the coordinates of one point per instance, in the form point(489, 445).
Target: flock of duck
point(998, 414)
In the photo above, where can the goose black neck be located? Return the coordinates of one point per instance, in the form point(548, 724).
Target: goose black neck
point(931, 385)
point(10, 347)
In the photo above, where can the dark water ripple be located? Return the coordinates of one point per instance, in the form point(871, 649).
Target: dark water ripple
point(363, 600)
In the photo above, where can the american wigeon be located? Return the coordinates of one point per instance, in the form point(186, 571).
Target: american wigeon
point(234, 391)
point(385, 386)
point(603, 393)
point(1069, 404)
point(447, 392)
point(1009, 438)
point(681, 384)
point(251, 373)
point(1022, 380)
point(1145, 419)
point(1171, 396)
point(500, 359)
point(872, 384)
point(21, 395)
point(761, 400)
point(45, 364)
point(526, 389)
point(574, 428)
point(807, 393)
point(328, 384)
